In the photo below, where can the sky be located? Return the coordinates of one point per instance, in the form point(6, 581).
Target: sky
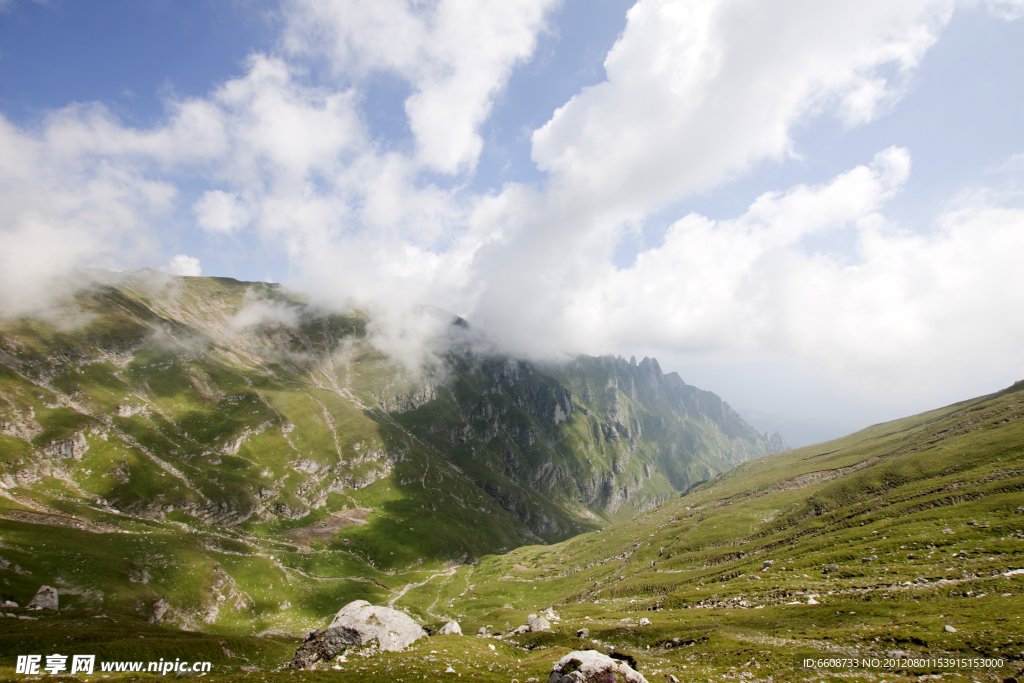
point(813, 209)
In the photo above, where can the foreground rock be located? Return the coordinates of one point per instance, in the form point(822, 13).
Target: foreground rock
point(452, 628)
point(45, 598)
point(591, 666)
point(359, 624)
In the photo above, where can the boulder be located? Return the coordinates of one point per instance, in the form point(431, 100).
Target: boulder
point(591, 666)
point(482, 631)
point(583, 633)
point(45, 598)
point(324, 645)
point(393, 630)
point(452, 628)
point(948, 629)
point(535, 623)
point(359, 624)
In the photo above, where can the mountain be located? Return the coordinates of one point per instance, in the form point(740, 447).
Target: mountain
point(172, 406)
point(895, 552)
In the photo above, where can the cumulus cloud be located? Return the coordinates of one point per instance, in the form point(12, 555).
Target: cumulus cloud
point(697, 91)
point(456, 56)
point(183, 265)
point(220, 212)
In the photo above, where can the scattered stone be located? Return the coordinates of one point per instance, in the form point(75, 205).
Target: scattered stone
point(482, 631)
point(812, 601)
point(873, 558)
point(948, 629)
point(549, 614)
point(452, 628)
point(1020, 510)
point(160, 609)
point(8, 604)
point(583, 633)
point(644, 621)
point(766, 565)
point(359, 624)
point(535, 624)
point(449, 670)
point(590, 666)
point(671, 679)
point(830, 568)
point(45, 598)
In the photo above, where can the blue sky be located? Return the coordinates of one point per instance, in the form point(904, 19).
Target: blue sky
point(570, 177)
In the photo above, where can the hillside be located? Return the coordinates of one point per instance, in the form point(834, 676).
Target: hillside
point(228, 431)
point(893, 553)
point(863, 546)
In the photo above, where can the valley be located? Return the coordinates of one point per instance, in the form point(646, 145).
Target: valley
point(208, 469)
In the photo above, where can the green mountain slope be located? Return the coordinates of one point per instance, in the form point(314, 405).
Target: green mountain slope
point(215, 434)
point(863, 546)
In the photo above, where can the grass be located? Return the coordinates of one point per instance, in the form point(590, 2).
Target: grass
point(162, 507)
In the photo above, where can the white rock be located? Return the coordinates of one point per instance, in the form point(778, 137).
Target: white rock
point(45, 598)
point(452, 628)
point(393, 630)
point(449, 670)
point(948, 629)
point(535, 623)
point(644, 621)
point(590, 666)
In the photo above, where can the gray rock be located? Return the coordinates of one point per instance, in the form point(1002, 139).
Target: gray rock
point(583, 633)
point(873, 558)
point(393, 630)
point(535, 624)
point(591, 666)
point(671, 679)
point(482, 631)
point(324, 645)
point(831, 568)
point(452, 628)
point(358, 624)
point(45, 598)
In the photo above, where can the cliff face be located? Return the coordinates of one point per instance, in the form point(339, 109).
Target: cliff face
point(215, 402)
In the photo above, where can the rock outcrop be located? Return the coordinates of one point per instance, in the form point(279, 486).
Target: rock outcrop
point(45, 598)
point(536, 623)
point(452, 628)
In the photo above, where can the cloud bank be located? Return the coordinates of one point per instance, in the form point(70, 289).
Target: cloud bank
point(697, 93)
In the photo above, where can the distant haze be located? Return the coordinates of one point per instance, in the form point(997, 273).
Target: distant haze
point(812, 209)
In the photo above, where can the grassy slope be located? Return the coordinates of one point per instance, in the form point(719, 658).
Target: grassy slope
point(936, 498)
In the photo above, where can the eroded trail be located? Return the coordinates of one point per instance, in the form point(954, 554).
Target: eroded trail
point(409, 586)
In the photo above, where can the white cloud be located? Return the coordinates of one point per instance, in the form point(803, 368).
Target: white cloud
point(698, 90)
point(457, 57)
point(220, 212)
point(264, 313)
point(183, 265)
